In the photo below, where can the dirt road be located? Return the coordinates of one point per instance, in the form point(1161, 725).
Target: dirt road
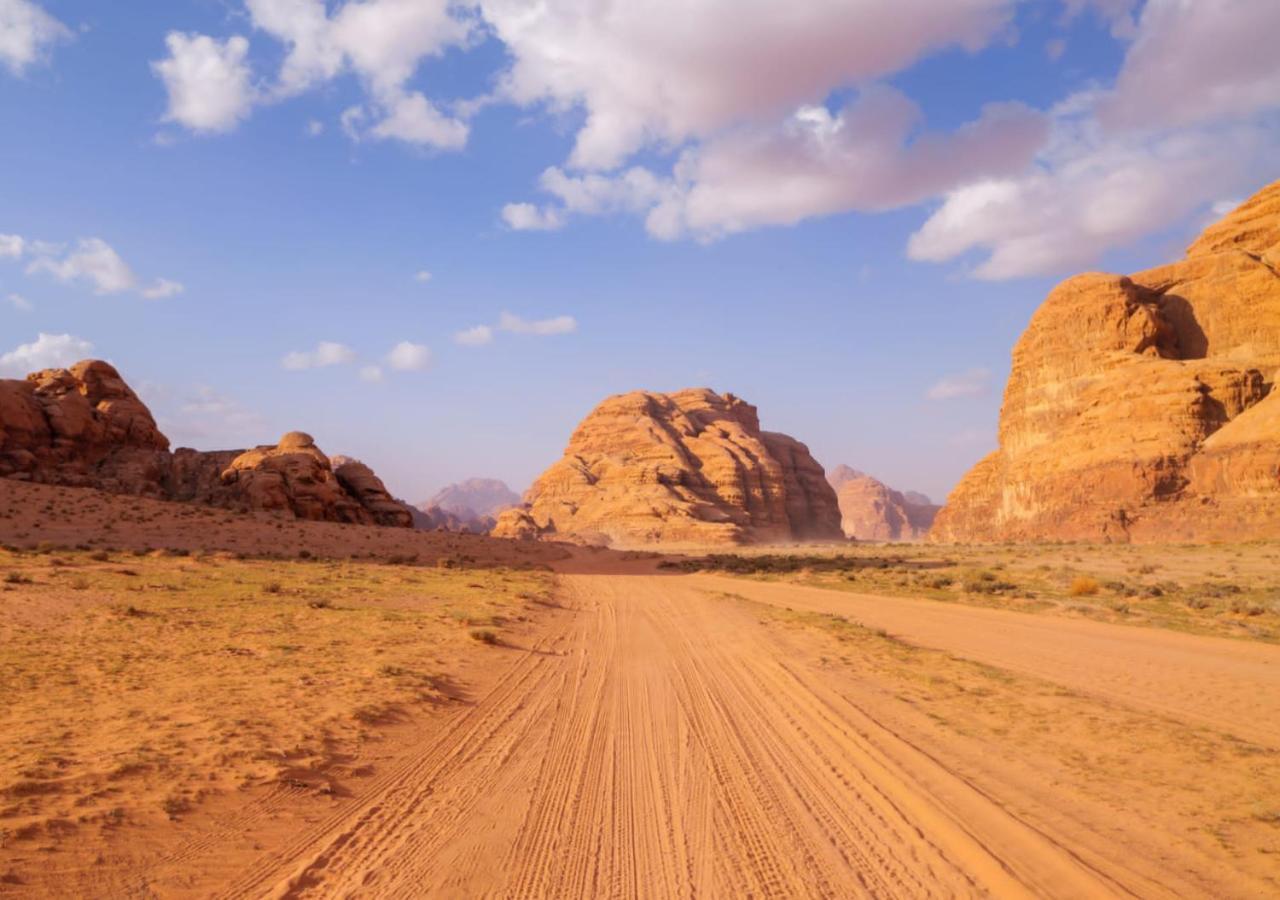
point(670, 743)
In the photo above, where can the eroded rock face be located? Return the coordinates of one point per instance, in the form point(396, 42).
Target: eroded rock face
point(870, 510)
point(474, 498)
point(687, 467)
point(1143, 407)
point(84, 427)
point(80, 427)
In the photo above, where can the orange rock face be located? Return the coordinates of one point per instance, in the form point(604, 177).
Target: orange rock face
point(870, 510)
point(688, 467)
point(84, 427)
point(1143, 408)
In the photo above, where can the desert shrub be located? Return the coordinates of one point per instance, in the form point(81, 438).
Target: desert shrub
point(484, 636)
point(1083, 586)
point(1197, 603)
point(273, 587)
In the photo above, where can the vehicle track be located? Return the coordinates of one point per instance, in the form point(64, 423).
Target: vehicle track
point(660, 746)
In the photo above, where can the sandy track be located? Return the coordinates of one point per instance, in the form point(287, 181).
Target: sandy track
point(1230, 685)
point(663, 745)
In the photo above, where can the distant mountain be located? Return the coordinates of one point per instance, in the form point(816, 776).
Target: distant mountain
point(475, 497)
point(870, 510)
point(470, 505)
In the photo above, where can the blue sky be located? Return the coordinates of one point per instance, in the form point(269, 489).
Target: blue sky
point(844, 212)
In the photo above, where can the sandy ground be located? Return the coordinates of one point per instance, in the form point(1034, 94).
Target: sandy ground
point(631, 732)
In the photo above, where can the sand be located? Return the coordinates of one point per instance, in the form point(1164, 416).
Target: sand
point(632, 731)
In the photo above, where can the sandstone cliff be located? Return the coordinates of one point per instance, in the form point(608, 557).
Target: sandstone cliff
point(1143, 408)
point(688, 467)
point(870, 510)
point(84, 427)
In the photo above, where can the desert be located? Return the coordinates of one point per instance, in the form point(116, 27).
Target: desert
point(682, 449)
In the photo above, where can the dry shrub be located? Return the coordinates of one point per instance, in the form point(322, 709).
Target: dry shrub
point(1083, 586)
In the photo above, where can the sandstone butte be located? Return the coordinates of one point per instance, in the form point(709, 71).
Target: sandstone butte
point(691, 467)
point(470, 505)
point(84, 427)
point(870, 510)
point(1143, 408)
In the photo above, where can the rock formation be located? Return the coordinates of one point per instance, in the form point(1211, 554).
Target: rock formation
point(475, 497)
point(468, 506)
point(688, 467)
point(1143, 408)
point(81, 427)
point(870, 510)
point(84, 427)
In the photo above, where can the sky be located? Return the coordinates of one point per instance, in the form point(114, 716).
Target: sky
point(435, 234)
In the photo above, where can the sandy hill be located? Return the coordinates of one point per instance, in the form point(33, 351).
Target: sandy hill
point(1142, 407)
point(870, 510)
point(85, 427)
point(688, 467)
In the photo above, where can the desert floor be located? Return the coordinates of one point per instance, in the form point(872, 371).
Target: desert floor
point(461, 717)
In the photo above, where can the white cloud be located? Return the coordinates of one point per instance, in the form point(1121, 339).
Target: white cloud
point(19, 302)
point(162, 288)
point(1091, 192)
point(47, 351)
point(474, 337)
point(11, 245)
point(1198, 62)
point(557, 325)
point(867, 157)
point(27, 33)
point(663, 72)
point(208, 81)
point(205, 416)
point(422, 275)
point(315, 128)
point(527, 217)
point(409, 357)
point(326, 353)
point(412, 118)
point(961, 384)
point(94, 261)
point(383, 42)
point(371, 374)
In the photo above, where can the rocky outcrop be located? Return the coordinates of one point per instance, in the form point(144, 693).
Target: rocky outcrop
point(689, 467)
point(870, 510)
point(1143, 407)
point(84, 427)
point(81, 427)
point(434, 518)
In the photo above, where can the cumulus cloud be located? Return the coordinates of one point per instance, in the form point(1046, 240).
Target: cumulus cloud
point(47, 351)
point(11, 246)
point(1090, 192)
point(870, 156)
point(27, 33)
point(527, 217)
point(94, 261)
point(474, 337)
point(961, 384)
point(409, 357)
point(162, 288)
point(382, 42)
point(666, 71)
point(208, 81)
point(1194, 63)
point(326, 353)
point(557, 325)
point(19, 302)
